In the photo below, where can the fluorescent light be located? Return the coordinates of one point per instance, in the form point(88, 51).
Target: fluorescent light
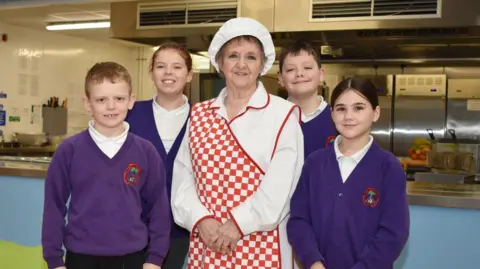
point(79, 25)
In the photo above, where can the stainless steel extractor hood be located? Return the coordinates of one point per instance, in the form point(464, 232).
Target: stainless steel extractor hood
point(193, 22)
point(315, 15)
point(356, 29)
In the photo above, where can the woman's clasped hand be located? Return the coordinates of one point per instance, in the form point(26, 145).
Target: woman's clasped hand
point(221, 238)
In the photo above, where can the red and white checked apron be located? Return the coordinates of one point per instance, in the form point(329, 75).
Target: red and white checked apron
point(225, 177)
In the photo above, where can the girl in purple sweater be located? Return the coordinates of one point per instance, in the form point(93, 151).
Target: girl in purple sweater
point(350, 209)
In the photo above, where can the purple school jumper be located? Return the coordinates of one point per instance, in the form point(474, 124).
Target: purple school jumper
point(360, 224)
point(142, 123)
point(316, 132)
point(104, 215)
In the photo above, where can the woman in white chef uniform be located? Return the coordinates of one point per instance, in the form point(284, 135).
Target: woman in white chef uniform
point(240, 160)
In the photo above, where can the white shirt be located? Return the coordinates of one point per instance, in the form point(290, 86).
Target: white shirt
point(321, 107)
point(256, 131)
point(348, 163)
point(169, 123)
point(109, 145)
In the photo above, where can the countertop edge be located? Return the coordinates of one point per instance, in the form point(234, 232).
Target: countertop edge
point(447, 201)
point(23, 172)
point(465, 198)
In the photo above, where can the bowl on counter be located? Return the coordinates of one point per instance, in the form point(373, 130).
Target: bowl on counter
point(56, 140)
point(31, 139)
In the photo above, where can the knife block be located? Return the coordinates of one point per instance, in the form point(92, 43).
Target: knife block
point(55, 120)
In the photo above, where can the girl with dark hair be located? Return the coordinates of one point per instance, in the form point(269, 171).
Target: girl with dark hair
point(350, 209)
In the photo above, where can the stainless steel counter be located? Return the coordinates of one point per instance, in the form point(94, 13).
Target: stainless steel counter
point(27, 149)
point(24, 166)
point(452, 195)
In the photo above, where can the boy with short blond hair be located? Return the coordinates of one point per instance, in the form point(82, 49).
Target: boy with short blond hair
point(112, 178)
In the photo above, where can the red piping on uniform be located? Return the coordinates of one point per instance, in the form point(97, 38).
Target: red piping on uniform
point(251, 107)
point(236, 140)
point(243, 150)
point(248, 107)
point(281, 128)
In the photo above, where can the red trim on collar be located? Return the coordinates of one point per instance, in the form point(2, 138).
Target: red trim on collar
point(210, 106)
point(251, 107)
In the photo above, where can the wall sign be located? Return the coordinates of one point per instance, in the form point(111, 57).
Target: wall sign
point(3, 117)
point(3, 95)
point(14, 118)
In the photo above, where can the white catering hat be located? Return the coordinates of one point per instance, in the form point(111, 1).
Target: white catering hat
point(238, 27)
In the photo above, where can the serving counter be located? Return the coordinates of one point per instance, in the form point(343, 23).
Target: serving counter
point(21, 206)
point(23, 169)
point(444, 220)
point(27, 151)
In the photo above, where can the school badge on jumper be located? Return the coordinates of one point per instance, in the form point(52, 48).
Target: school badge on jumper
point(330, 140)
point(370, 197)
point(131, 176)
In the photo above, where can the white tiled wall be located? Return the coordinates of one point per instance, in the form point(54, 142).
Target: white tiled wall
point(35, 65)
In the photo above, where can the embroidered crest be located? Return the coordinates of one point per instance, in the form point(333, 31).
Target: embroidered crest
point(330, 140)
point(370, 197)
point(131, 176)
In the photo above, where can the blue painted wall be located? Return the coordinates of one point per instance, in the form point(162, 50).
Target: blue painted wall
point(21, 208)
point(440, 238)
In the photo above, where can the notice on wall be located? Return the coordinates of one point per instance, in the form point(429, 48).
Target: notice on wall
point(22, 84)
point(23, 62)
point(35, 64)
point(473, 104)
point(34, 85)
point(3, 117)
point(36, 116)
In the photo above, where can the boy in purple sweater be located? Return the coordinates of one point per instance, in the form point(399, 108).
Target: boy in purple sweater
point(301, 74)
point(107, 173)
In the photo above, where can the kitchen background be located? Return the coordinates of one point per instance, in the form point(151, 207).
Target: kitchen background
point(424, 56)
point(438, 40)
point(37, 64)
